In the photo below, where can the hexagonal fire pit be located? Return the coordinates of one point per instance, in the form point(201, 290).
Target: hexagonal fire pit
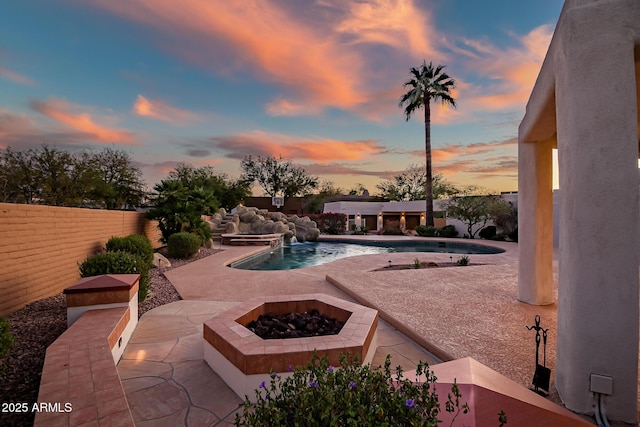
point(243, 359)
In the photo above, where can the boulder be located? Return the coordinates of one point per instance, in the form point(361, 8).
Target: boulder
point(160, 261)
point(222, 212)
point(306, 233)
point(313, 234)
point(280, 227)
point(244, 228)
point(231, 228)
point(262, 227)
point(304, 221)
point(247, 216)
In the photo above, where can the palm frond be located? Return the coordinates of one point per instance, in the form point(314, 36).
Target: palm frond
point(429, 80)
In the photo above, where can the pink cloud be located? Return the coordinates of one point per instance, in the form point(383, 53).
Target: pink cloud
point(318, 54)
point(477, 161)
point(347, 170)
point(73, 117)
point(15, 77)
point(253, 35)
point(396, 23)
point(452, 151)
point(160, 110)
point(314, 149)
point(11, 75)
point(512, 71)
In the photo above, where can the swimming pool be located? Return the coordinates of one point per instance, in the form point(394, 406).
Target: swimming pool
point(308, 254)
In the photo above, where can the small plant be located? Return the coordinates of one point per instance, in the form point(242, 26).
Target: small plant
point(360, 230)
point(354, 395)
point(118, 263)
point(463, 260)
point(488, 233)
point(6, 342)
point(425, 231)
point(6, 337)
point(416, 263)
point(447, 231)
point(183, 245)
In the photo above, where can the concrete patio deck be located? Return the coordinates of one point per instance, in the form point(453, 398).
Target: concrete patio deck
point(456, 312)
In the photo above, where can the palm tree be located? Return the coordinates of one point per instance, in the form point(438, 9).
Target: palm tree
point(427, 83)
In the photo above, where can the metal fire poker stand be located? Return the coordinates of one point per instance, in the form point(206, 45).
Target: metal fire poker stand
point(542, 374)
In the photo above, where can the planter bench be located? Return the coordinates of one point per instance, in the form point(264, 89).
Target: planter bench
point(80, 383)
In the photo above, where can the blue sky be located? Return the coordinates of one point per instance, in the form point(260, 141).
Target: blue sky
point(208, 82)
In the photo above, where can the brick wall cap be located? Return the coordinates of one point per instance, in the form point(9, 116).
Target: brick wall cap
point(112, 282)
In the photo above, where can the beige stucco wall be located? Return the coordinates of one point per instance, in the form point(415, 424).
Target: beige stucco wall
point(41, 246)
point(585, 101)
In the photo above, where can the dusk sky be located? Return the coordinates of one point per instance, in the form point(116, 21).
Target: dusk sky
point(208, 82)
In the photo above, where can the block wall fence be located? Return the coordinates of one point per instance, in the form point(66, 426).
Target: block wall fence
point(41, 246)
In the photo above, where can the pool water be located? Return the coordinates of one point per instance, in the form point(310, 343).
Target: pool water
point(308, 254)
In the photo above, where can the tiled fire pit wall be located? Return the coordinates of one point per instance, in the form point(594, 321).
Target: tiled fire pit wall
point(106, 291)
point(244, 360)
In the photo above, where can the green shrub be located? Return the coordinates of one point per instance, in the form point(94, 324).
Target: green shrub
point(134, 244)
point(447, 231)
point(416, 263)
point(463, 260)
point(118, 263)
point(353, 395)
point(183, 245)
point(6, 337)
point(488, 232)
point(424, 231)
point(359, 230)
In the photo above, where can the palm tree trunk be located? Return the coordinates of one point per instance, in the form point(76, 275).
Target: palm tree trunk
point(428, 186)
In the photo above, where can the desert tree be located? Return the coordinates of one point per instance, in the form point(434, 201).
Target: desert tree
point(410, 185)
point(278, 177)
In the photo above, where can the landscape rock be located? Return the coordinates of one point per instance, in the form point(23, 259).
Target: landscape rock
point(251, 220)
point(231, 228)
point(161, 261)
point(247, 216)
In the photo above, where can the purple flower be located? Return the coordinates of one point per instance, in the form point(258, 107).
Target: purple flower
point(274, 374)
point(410, 403)
point(330, 368)
point(262, 384)
point(290, 368)
point(314, 384)
point(352, 384)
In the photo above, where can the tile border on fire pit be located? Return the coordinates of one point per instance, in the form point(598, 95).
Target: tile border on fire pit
point(233, 351)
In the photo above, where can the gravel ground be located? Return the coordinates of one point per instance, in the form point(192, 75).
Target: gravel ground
point(39, 324)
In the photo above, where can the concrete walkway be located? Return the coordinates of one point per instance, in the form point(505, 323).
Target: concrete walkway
point(162, 369)
point(455, 311)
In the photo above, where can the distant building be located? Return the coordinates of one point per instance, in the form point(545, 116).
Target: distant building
point(377, 215)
